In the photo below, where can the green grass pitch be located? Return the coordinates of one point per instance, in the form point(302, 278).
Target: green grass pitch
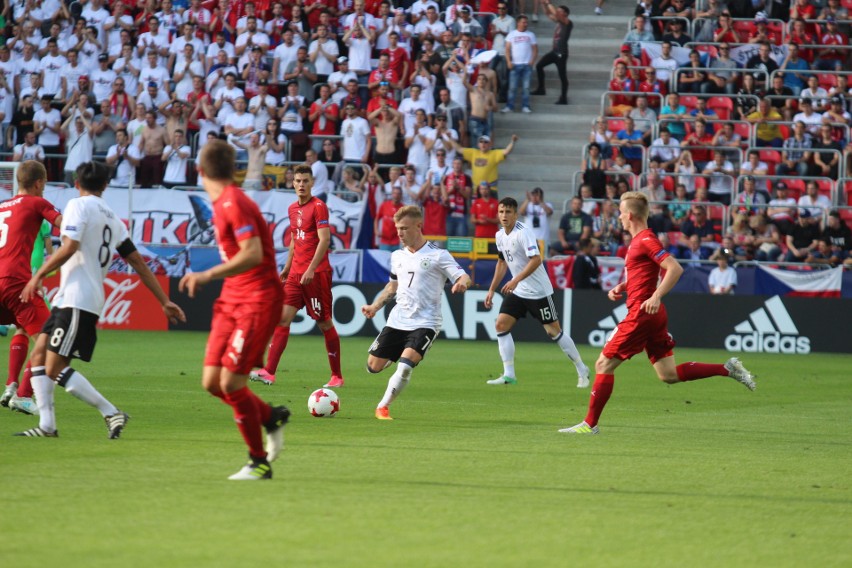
point(698, 474)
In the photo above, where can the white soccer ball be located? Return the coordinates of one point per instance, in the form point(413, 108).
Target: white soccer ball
point(323, 403)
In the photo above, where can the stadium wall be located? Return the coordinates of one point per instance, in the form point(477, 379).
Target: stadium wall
point(768, 324)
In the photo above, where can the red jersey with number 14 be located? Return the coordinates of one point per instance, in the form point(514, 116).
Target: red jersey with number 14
point(305, 222)
point(642, 266)
point(20, 221)
point(237, 218)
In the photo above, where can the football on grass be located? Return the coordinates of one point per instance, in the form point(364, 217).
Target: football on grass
point(323, 403)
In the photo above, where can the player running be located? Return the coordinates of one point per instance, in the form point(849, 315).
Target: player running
point(529, 291)
point(307, 278)
point(21, 399)
point(418, 273)
point(90, 233)
point(245, 313)
point(645, 327)
point(21, 219)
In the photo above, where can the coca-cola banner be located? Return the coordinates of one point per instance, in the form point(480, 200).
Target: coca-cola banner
point(128, 304)
point(175, 217)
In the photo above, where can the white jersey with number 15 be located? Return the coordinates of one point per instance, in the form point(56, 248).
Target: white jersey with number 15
point(516, 249)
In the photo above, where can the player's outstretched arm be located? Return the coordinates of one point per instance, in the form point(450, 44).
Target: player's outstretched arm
point(673, 272)
point(462, 284)
point(382, 300)
point(172, 310)
point(499, 273)
point(66, 251)
point(249, 256)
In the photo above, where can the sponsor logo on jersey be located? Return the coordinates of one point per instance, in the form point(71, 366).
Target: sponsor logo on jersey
point(769, 329)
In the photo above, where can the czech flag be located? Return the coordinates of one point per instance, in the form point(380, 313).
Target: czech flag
point(811, 283)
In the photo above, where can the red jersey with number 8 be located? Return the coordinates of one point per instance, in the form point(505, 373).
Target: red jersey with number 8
point(305, 222)
point(237, 218)
point(20, 221)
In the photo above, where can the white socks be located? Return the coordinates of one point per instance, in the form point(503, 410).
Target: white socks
point(567, 346)
point(79, 386)
point(398, 381)
point(43, 388)
point(506, 345)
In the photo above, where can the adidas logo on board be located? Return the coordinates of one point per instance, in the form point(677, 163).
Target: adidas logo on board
point(769, 329)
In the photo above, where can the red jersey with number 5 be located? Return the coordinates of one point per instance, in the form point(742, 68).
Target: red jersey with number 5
point(237, 218)
point(305, 222)
point(20, 221)
point(642, 266)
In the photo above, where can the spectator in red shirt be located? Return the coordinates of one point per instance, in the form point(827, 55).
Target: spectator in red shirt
point(652, 85)
point(398, 58)
point(620, 105)
point(458, 187)
point(726, 32)
point(799, 35)
point(830, 58)
point(700, 137)
point(383, 74)
point(324, 114)
point(436, 207)
point(483, 213)
point(381, 98)
point(385, 227)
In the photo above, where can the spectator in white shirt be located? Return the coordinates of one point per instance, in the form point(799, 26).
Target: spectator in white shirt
point(154, 39)
point(356, 134)
point(102, 79)
point(154, 72)
point(220, 45)
point(28, 150)
point(123, 157)
point(175, 156)
point(282, 56)
point(248, 40)
point(226, 97)
point(323, 53)
point(263, 105)
point(79, 144)
point(53, 71)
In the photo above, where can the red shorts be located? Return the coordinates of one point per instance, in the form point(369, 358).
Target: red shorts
point(316, 296)
point(641, 331)
point(30, 315)
point(239, 335)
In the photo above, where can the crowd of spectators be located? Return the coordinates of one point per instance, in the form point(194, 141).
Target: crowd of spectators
point(733, 118)
point(377, 96)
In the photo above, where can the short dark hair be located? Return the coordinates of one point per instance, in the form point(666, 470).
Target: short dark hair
point(93, 176)
point(509, 203)
point(303, 169)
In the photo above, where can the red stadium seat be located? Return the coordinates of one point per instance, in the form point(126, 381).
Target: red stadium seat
point(722, 105)
point(827, 80)
point(846, 214)
point(614, 124)
point(796, 187)
point(669, 184)
point(689, 101)
point(744, 130)
point(847, 189)
point(772, 159)
point(743, 28)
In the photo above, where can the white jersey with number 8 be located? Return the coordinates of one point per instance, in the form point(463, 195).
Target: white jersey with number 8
point(89, 221)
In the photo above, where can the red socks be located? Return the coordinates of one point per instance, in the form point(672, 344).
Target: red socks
point(601, 391)
point(17, 356)
point(276, 348)
point(25, 389)
point(247, 417)
point(692, 371)
point(332, 347)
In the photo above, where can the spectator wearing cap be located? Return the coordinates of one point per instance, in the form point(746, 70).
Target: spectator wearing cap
point(466, 24)
point(484, 160)
point(102, 79)
point(826, 152)
point(811, 119)
point(803, 238)
point(152, 99)
point(782, 209)
point(154, 72)
point(761, 32)
point(830, 58)
point(339, 79)
point(836, 112)
point(263, 105)
point(762, 64)
point(765, 118)
point(676, 35)
point(323, 53)
point(637, 35)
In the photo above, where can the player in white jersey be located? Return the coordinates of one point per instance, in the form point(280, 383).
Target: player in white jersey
point(529, 291)
point(90, 233)
point(418, 273)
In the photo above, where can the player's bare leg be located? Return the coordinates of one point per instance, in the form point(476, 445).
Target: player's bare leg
point(397, 382)
point(506, 346)
point(566, 344)
point(601, 391)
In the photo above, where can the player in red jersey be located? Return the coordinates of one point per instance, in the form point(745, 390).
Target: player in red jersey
point(645, 327)
point(307, 278)
point(20, 221)
point(246, 312)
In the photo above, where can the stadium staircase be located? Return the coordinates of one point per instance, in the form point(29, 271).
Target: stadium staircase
point(551, 138)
